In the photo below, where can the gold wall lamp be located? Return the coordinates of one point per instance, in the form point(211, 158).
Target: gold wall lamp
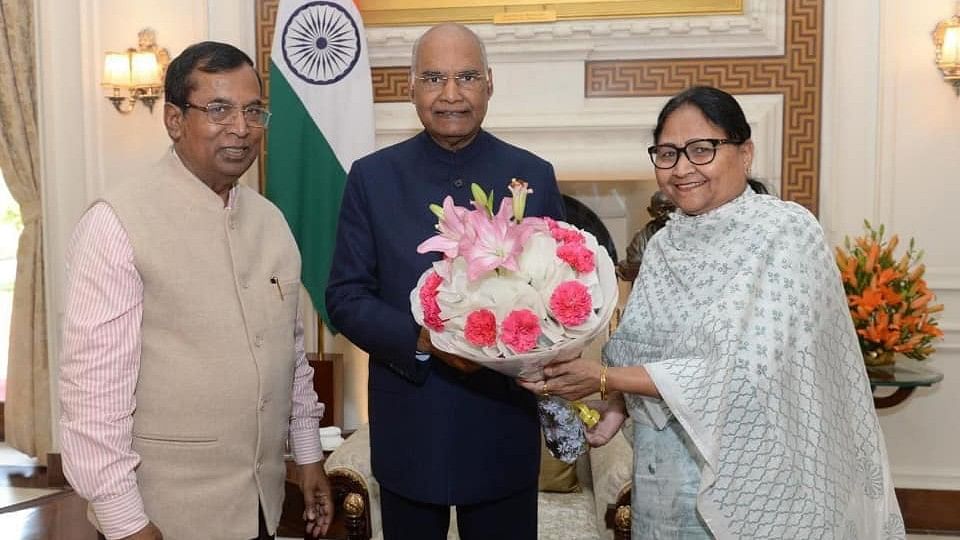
point(138, 71)
point(946, 38)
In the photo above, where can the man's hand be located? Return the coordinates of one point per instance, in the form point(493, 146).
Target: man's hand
point(462, 364)
point(317, 498)
point(150, 532)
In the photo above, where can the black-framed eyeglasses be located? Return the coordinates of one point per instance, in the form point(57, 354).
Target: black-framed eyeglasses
point(223, 113)
point(698, 152)
point(468, 80)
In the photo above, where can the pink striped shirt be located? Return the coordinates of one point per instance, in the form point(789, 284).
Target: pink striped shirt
point(99, 366)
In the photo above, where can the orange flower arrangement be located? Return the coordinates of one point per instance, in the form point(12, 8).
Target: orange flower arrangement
point(888, 298)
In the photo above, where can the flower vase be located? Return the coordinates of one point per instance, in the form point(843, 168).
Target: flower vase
point(878, 358)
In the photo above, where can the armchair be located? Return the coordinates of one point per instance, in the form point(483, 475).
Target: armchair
point(600, 510)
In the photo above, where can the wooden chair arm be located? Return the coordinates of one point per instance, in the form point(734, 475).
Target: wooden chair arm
point(618, 516)
point(352, 503)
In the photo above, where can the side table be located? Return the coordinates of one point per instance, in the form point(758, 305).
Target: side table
point(905, 376)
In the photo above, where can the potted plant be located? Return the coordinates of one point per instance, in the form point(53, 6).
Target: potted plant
point(891, 306)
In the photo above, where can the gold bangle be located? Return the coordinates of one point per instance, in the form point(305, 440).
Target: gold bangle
point(603, 382)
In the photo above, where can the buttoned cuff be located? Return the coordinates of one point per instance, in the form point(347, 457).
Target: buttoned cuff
point(121, 516)
point(306, 447)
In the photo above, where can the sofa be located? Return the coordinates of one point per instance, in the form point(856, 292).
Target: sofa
point(598, 509)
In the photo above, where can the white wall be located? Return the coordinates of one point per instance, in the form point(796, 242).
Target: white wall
point(891, 152)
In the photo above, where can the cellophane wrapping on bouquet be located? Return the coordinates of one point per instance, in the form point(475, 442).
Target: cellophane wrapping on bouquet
point(514, 294)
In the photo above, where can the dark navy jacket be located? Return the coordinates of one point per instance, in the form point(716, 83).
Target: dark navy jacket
point(437, 435)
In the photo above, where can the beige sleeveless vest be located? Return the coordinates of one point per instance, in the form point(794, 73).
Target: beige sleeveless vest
point(213, 395)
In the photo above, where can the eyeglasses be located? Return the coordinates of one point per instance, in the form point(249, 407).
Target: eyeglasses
point(223, 113)
point(698, 152)
point(468, 80)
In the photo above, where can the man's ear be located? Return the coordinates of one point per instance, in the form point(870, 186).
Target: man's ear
point(489, 82)
point(173, 120)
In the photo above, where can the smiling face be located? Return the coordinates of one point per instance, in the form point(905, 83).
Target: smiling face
point(217, 154)
point(450, 114)
point(696, 189)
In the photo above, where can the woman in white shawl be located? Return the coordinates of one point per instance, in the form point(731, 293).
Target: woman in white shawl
point(736, 358)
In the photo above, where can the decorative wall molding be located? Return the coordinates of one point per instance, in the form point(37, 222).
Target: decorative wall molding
point(585, 139)
point(419, 12)
point(796, 75)
point(758, 31)
point(943, 278)
point(909, 478)
point(604, 140)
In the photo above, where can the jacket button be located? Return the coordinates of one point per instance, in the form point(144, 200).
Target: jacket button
point(259, 465)
point(233, 224)
point(458, 182)
point(262, 405)
point(258, 341)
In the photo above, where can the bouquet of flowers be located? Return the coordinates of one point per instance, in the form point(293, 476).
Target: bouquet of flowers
point(514, 293)
point(888, 297)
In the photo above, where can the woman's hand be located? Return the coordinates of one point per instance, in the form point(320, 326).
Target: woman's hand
point(613, 412)
point(570, 379)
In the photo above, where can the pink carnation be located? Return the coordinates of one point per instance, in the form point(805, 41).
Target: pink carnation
point(578, 256)
point(567, 236)
point(433, 283)
point(571, 303)
point(481, 328)
point(428, 301)
point(520, 330)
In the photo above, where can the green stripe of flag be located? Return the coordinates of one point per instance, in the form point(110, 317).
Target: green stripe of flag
point(305, 180)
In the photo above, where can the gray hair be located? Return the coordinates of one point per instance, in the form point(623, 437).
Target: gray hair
point(416, 47)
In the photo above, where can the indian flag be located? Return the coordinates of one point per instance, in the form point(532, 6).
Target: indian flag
point(322, 103)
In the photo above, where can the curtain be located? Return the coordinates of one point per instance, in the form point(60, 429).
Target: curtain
point(27, 409)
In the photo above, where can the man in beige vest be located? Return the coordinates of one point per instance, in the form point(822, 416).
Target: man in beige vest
point(183, 372)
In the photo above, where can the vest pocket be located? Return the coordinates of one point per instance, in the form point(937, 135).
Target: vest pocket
point(282, 302)
point(174, 439)
point(290, 289)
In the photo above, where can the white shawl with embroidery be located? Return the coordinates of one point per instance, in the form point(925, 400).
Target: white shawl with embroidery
point(740, 318)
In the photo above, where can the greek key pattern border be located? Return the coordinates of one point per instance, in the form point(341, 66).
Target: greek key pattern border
point(391, 84)
point(797, 75)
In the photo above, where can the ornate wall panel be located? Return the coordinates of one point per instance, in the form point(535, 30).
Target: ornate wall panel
point(796, 75)
point(391, 84)
point(266, 20)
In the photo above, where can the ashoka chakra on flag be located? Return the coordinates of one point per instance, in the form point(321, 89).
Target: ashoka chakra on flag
point(321, 42)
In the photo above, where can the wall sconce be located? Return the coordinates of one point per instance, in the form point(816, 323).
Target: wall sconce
point(139, 71)
point(946, 38)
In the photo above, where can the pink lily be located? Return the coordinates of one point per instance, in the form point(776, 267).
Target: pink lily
point(496, 241)
point(452, 228)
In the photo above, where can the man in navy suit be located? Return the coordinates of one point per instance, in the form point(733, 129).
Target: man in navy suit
point(443, 431)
